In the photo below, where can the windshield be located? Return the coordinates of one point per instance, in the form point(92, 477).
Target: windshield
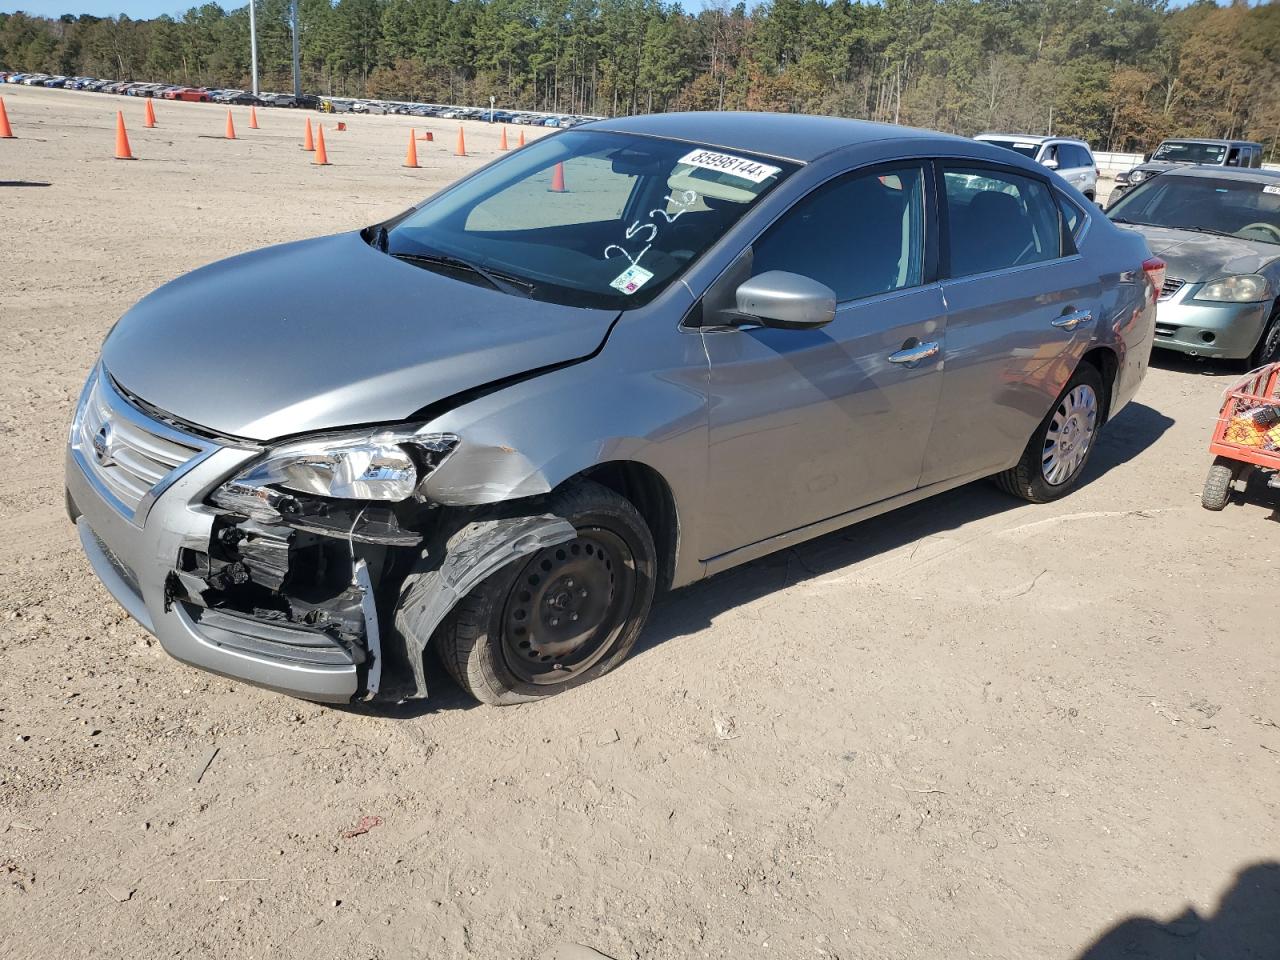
point(1235, 208)
point(586, 218)
point(1182, 151)
point(1024, 147)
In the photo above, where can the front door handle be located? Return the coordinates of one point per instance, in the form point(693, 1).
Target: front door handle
point(1069, 321)
point(911, 355)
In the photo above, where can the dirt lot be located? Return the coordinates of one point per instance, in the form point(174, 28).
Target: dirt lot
point(970, 728)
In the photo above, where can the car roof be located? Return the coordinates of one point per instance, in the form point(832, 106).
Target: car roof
point(1029, 138)
point(1215, 172)
point(788, 136)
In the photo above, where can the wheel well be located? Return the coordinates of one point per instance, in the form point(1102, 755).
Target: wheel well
point(1103, 359)
point(649, 493)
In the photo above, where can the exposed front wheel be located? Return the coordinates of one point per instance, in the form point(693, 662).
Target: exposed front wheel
point(1058, 451)
point(563, 616)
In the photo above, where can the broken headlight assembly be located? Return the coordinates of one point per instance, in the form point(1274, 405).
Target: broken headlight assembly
point(385, 466)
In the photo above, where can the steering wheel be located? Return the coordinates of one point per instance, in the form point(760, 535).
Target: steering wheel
point(1270, 228)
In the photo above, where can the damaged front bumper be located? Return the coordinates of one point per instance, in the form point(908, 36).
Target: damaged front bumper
point(290, 605)
point(136, 558)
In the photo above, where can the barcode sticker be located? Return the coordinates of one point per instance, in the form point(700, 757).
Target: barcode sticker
point(727, 163)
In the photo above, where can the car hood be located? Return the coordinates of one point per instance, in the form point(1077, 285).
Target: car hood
point(1196, 257)
point(330, 333)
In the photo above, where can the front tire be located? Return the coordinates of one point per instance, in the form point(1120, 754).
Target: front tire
point(1059, 450)
point(561, 617)
point(1268, 348)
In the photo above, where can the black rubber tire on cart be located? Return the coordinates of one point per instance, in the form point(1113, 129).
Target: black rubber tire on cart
point(563, 616)
point(1028, 478)
point(1217, 486)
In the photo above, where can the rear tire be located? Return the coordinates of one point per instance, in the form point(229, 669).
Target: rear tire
point(1217, 486)
point(1059, 450)
point(510, 641)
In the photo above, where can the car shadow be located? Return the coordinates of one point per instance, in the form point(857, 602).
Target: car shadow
point(1246, 925)
point(693, 608)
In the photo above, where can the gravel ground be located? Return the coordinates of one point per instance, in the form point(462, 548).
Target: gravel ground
point(970, 728)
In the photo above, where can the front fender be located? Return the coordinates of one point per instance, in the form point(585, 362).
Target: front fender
point(643, 398)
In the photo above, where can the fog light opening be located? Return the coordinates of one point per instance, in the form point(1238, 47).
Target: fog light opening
point(1208, 336)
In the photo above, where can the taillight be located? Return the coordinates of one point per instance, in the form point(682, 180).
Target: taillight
point(1154, 268)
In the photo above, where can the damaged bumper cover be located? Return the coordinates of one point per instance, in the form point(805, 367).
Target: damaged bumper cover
point(292, 606)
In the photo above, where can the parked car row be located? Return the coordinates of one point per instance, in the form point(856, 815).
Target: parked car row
point(448, 112)
point(164, 91)
point(232, 97)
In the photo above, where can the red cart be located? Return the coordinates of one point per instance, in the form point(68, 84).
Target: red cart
point(1247, 435)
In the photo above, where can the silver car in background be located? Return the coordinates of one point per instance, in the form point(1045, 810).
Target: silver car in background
point(622, 359)
point(1218, 230)
point(1070, 158)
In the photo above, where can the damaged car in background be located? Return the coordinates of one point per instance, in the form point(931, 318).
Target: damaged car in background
point(620, 360)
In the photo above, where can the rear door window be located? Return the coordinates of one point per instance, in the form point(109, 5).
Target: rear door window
point(997, 220)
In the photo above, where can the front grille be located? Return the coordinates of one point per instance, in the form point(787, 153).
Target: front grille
point(128, 453)
point(1171, 286)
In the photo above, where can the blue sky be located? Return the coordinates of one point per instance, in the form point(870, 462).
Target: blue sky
point(144, 9)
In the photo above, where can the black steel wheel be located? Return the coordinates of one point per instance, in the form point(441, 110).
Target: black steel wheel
point(561, 617)
point(567, 606)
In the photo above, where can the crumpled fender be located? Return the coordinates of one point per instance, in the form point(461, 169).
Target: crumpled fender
point(448, 574)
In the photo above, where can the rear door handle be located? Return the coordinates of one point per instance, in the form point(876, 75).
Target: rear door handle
point(1069, 321)
point(910, 355)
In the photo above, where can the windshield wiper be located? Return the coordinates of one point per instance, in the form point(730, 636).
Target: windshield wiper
point(1132, 223)
point(505, 284)
point(1219, 233)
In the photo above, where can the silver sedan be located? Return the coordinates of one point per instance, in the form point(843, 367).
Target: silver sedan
point(620, 360)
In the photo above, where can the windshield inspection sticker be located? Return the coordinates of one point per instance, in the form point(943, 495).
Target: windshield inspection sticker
point(631, 279)
point(728, 163)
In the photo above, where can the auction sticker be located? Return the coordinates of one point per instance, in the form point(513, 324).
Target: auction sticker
point(728, 163)
point(631, 279)
point(1271, 188)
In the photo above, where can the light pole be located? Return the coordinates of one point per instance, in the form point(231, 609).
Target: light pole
point(492, 101)
point(297, 70)
point(253, 45)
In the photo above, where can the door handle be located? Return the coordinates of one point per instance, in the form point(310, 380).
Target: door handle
point(910, 355)
point(1069, 321)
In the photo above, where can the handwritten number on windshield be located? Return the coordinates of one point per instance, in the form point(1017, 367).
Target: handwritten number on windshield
point(682, 199)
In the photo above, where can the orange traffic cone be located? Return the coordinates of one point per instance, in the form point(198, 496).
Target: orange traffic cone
point(307, 142)
point(461, 149)
point(6, 131)
point(322, 157)
point(411, 158)
point(520, 142)
point(122, 139)
point(557, 179)
point(253, 118)
point(231, 127)
point(502, 139)
point(149, 115)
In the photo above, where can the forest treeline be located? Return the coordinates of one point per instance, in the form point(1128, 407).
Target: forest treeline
point(1120, 73)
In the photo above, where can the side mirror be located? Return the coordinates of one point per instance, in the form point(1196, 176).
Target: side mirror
point(787, 301)
point(1051, 163)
